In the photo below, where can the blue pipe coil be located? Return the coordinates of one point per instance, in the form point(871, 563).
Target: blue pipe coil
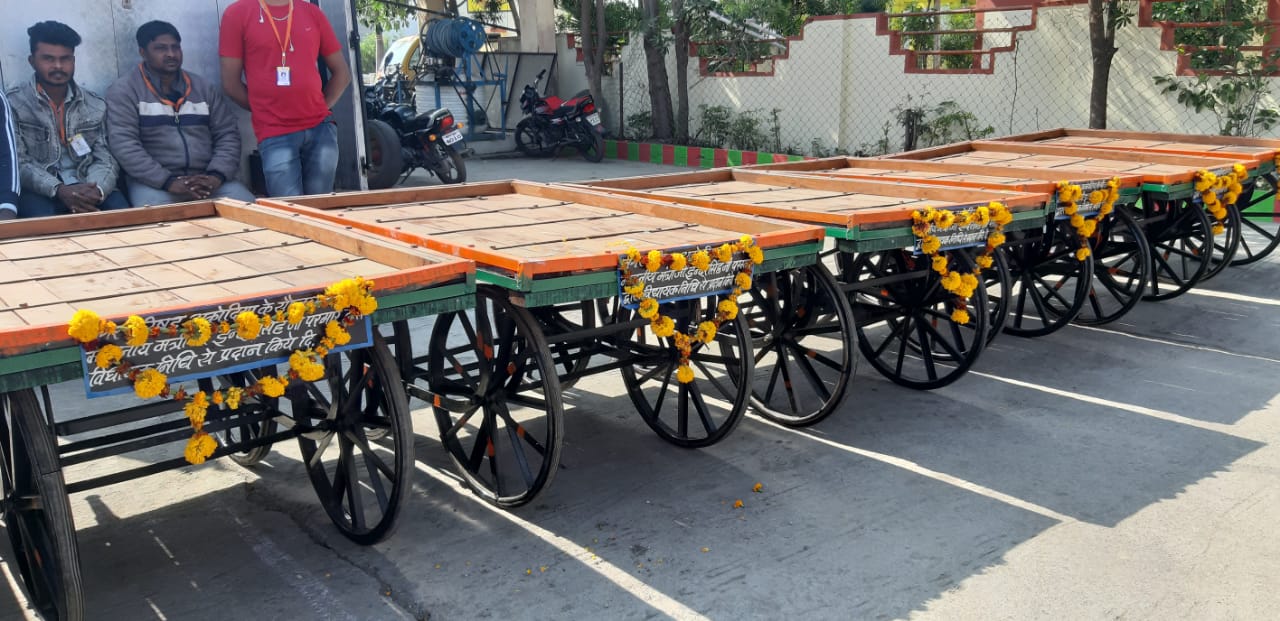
point(455, 37)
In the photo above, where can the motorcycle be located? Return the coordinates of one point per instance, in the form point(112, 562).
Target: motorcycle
point(399, 140)
point(551, 124)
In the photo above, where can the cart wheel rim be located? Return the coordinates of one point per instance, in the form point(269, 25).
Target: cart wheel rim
point(360, 481)
point(497, 399)
point(1260, 221)
point(1121, 265)
point(803, 339)
point(1180, 249)
point(1050, 285)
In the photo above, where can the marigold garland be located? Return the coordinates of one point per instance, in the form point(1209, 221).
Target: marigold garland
point(926, 221)
point(1068, 196)
point(351, 297)
point(663, 326)
point(1231, 185)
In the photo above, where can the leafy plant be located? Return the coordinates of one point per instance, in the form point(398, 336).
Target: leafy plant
point(639, 125)
point(724, 127)
point(1238, 98)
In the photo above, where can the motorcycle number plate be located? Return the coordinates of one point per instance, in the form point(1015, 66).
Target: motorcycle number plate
point(452, 137)
point(593, 118)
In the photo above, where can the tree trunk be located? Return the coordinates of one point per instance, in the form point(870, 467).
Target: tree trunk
point(1102, 37)
point(659, 83)
point(680, 34)
point(379, 49)
point(592, 46)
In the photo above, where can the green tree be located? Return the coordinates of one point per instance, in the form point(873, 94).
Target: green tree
point(381, 17)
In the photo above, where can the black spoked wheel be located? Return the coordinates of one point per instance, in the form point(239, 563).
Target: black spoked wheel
point(803, 336)
point(1226, 244)
point(1181, 243)
point(1260, 221)
point(1121, 268)
point(448, 167)
point(704, 411)
point(257, 417)
point(360, 480)
point(906, 328)
point(998, 281)
point(529, 139)
point(571, 356)
point(592, 149)
point(37, 515)
point(497, 399)
point(1049, 284)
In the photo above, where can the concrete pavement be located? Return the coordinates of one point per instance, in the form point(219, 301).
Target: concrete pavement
point(1127, 471)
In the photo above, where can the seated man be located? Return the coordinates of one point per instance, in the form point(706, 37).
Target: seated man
point(172, 132)
point(10, 185)
point(64, 163)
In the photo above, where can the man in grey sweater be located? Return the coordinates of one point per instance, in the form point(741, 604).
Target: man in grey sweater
point(172, 132)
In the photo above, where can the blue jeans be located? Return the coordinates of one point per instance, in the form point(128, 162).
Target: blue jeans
point(303, 162)
point(140, 194)
point(36, 206)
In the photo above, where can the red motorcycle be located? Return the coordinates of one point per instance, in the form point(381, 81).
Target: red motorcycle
point(551, 124)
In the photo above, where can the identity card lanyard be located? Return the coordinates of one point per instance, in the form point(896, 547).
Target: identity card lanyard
point(282, 72)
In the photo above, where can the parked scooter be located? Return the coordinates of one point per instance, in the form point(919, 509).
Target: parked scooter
point(551, 124)
point(399, 140)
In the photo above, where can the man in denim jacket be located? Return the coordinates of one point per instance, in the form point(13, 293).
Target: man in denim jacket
point(62, 139)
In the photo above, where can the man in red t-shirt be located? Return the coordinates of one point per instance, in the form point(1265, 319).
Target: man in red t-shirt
point(274, 44)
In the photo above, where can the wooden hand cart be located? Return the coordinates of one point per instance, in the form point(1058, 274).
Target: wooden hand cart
point(1260, 218)
point(1177, 228)
point(1120, 254)
point(176, 263)
point(549, 313)
point(904, 316)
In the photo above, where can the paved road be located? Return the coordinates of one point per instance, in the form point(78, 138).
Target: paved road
point(1129, 471)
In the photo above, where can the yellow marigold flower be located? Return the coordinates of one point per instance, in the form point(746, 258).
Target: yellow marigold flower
point(224, 328)
point(108, 356)
point(706, 331)
point(305, 366)
point(196, 409)
point(335, 331)
point(684, 374)
point(930, 245)
point(198, 331)
point(946, 219)
point(150, 383)
point(742, 280)
point(84, 326)
point(648, 308)
point(756, 255)
point(662, 326)
point(1070, 209)
point(983, 215)
point(746, 241)
point(234, 394)
point(951, 282)
point(296, 313)
point(985, 261)
point(724, 253)
point(678, 261)
point(737, 504)
point(271, 386)
point(1240, 171)
point(266, 320)
point(1001, 214)
point(969, 282)
point(939, 264)
point(135, 331)
point(633, 255)
point(701, 260)
point(1230, 197)
point(924, 216)
point(216, 398)
point(653, 261)
point(633, 287)
point(728, 308)
point(248, 326)
point(1083, 253)
point(757, 488)
point(1077, 220)
point(1205, 180)
point(960, 316)
point(199, 448)
point(1097, 196)
point(1090, 226)
point(367, 305)
point(1218, 229)
point(995, 240)
point(920, 229)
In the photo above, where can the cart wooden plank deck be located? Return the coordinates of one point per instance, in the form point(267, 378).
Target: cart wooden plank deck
point(1260, 226)
point(224, 264)
point(552, 261)
point(1181, 238)
point(894, 291)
